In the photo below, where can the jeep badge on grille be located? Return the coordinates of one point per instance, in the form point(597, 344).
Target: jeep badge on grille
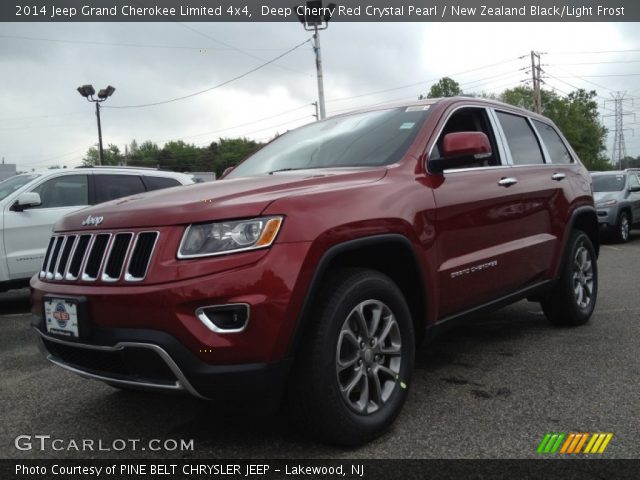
point(92, 221)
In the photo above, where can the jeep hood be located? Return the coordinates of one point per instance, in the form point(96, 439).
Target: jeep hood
point(223, 199)
point(604, 196)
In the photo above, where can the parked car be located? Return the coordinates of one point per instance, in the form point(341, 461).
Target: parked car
point(31, 203)
point(314, 268)
point(617, 198)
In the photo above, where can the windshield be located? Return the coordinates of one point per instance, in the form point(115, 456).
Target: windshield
point(608, 183)
point(10, 185)
point(359, 140)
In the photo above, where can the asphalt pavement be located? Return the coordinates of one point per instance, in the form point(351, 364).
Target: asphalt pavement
point(490, 389)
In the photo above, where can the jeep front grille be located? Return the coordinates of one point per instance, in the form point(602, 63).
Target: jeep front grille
point(104, 256)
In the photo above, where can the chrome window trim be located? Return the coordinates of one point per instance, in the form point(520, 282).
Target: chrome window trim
point(499, 132)
point(106, 278)
point(182, 382)
point(127, 276)
point(86, 278)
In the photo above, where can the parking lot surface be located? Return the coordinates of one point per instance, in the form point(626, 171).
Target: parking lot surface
point(490, 389)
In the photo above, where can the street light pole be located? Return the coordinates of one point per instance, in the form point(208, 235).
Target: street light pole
point(87, 91)
point(316, 48)
point(99, 134)
point(314, 18)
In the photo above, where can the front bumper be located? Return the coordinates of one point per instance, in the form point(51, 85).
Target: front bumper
point(149, 335)
point(607, 217)
point(153, 360)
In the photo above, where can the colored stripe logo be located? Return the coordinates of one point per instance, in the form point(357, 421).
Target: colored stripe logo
point(574, 443)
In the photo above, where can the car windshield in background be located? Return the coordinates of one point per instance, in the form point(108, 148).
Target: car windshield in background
point(10, 185)
point(608, 183)
point(360, 140)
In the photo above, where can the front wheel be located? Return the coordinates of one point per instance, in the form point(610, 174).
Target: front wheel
point(352, 375)
point(623, 228)
point(572, 300)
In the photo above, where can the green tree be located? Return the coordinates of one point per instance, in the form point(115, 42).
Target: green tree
point(446, 87)
point(232, 151)
point(112, 156)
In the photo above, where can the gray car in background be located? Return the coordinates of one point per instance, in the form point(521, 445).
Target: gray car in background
point(617, 198)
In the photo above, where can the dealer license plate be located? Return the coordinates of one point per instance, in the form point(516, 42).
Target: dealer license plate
point(61, 316)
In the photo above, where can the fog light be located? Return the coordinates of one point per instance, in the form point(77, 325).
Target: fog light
point(231, 318)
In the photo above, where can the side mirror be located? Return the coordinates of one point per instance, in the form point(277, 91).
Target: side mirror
point(635, 188)
point(460, 149)
point(26, 200)
point(226, 172)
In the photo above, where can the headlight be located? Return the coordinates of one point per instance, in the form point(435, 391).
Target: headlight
point(217, 238)
point(606, 203)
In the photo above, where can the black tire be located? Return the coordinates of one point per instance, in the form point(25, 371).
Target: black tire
point(573, 298)
point(623, 227)
point(316, 402)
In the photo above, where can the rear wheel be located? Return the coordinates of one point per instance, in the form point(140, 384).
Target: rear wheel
point(573, 298)
point(351, 377)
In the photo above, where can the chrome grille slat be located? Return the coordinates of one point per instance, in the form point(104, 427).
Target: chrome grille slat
point(116, 256)
point(108, 257)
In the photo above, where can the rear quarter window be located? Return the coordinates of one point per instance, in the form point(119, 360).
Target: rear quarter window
point(112, 186)
point(556, 148)
point(157, 183)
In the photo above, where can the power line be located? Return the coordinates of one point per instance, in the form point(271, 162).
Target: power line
point(226, 82)
point(239, 50)
point(592, 63)
point(594, 52)
point(119, 44)
point(424, 81)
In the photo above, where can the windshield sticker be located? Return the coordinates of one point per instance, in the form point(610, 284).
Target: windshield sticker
point(418, 108)
point(407, 125)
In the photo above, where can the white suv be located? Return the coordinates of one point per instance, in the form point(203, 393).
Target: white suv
point(31, 203)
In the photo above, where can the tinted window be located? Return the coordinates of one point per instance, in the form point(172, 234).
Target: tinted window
point(553, 142)
point(63, 191)
point(521, 139)
point(608, 183)
point(109, 187)
point(362, 139)
point(156, 183)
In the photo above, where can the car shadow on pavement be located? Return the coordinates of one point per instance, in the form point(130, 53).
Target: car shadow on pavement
point(15, 302)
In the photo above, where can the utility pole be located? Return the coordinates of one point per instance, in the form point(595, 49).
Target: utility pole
point(536, 77)
point(314, 17)
point(619, 151)
point(101, 158)
point(87, 91)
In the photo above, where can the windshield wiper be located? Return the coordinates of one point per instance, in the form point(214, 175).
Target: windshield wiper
point(288, 169)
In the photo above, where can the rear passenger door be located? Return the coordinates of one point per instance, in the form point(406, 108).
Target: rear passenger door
point(109, 186)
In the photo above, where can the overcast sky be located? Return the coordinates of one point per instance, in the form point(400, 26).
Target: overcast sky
point(44, 121)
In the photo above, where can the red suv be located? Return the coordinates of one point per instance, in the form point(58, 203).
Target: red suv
point(315, 267)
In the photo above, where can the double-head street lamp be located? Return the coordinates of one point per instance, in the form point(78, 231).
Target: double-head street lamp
point(88, 92)
point(315, 17)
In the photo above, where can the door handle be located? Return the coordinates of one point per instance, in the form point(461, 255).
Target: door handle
point(507, 181)
point(558, 176)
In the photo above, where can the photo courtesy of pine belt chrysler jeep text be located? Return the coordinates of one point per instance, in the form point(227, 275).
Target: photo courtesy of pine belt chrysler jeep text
point(309, 274)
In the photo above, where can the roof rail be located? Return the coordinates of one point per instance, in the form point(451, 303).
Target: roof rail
point(117, 167)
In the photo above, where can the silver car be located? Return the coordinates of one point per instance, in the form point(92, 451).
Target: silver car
point(617, 198)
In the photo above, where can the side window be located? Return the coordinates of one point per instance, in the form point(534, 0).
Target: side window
point(110, 187)
point(469, 120)
point(63, 191)
point(156, 183)
point(553, 142)
point(522, 142)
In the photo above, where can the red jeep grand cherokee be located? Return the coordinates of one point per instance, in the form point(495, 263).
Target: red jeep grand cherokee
point(318, 264)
